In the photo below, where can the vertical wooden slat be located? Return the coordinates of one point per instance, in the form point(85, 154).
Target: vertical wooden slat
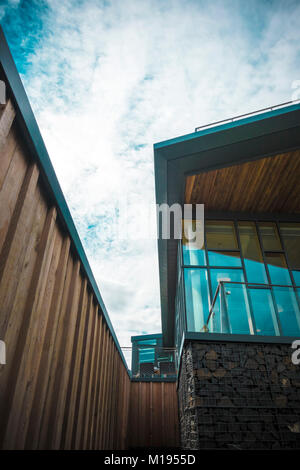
point(97, 388)
point(6, 120)
point(93, 382)
point(7, 151)
point(89, 384)
point(99, 380)
point(80, 430)
point(34, 341)
point(102, 388)
point(46, 363)
point(34, 295)
point(80, 396)
point(104, 409)
point(74, 368)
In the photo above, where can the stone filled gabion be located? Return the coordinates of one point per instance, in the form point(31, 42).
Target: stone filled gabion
point(239, 396)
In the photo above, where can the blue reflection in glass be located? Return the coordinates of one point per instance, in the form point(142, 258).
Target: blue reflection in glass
point(196, 294)
point(256, 272)
point(224, 258)
point(288, 310)
point(234, 299)
point(277, 269)
point(296, 276)
point(193, 257)
point(263, 312)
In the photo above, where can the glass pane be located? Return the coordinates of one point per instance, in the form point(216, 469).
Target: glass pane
point(192, 255)
point(288, 310)
point(263, 312)
point(224, 258)
point(235, 300)
point(278, 269)
point(220, 235)
point(290, 233)
point(255, 268)
point(296, 275)
point(196, 293)
point(269, 236)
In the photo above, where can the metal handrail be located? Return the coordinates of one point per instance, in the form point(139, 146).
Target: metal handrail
point(252, 284)
point(240, 116)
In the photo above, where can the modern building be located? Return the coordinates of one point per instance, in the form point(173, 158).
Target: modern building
point(220, 374)
point(231, 306)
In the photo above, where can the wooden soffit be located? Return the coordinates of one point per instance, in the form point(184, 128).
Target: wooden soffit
point(270, 184)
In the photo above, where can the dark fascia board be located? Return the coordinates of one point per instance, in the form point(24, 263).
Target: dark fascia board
point(252, 138)
point(234, 338)
point(34, 140)
point(146, 337)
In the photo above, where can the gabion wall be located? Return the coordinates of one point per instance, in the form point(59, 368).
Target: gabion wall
point(239, 396)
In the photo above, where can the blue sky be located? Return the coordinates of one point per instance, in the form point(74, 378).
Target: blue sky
point(107, 79)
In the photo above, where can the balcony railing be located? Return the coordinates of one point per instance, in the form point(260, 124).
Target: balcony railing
point(156, 362)
point(255, 309)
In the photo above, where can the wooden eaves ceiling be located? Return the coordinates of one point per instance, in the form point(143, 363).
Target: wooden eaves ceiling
point(270, 184)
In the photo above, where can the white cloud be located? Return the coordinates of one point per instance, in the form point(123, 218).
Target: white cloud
point(108, 79)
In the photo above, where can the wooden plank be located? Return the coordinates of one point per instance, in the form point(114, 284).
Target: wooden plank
point(93, 381)
point(20, 376)
point(75, 369)
point(6, 120)
point(6, 154)
point(80, 395)
point(102, 387)
point(47, 428)
point(90, 379)
point(98, 380)
point(85, 378)
point(44, 373)
point(32, 351)
point(267, 185)
point(104, 407)
point(65, 356)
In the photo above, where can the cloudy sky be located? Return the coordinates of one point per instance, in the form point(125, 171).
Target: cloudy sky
point(107, 79)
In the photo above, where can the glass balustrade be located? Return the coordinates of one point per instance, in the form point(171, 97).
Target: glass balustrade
point(256, 309)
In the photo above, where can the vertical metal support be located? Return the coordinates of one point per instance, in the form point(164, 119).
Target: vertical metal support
point(278, 327)
point(224, 318)
point(251, 311)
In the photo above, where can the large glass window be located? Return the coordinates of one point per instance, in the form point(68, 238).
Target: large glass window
point(236, 252)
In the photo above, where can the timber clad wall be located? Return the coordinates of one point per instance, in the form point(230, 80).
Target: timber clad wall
point(64, 384)
point(153, 416)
